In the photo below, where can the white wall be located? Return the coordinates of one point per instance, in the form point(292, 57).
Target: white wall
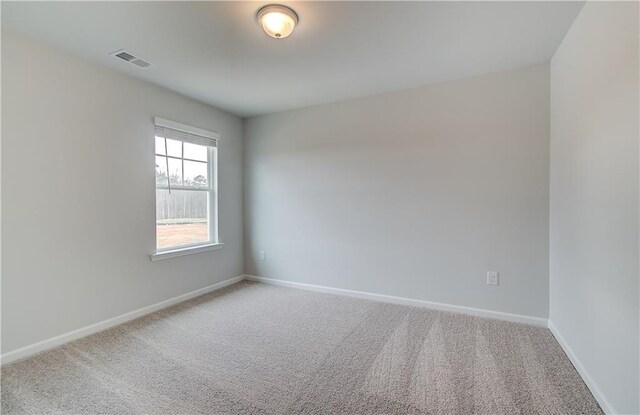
point(78, 202)
point(594, 198)
point(415, 193)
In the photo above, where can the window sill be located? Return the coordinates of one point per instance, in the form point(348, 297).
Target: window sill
point(185, 251)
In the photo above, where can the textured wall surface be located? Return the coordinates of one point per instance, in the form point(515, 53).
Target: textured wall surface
point(78, 194)
point(594, 197)
point(416, 193)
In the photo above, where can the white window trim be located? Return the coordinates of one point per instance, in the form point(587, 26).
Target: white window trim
point(186, 250)
point(214, 242)
point(162, 122)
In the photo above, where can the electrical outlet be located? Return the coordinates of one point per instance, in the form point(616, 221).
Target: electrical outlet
point(492, 277)
point(262, 255)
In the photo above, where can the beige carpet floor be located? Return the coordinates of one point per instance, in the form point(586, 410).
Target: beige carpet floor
point(260, 349)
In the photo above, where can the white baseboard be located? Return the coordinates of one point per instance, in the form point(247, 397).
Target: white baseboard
point(518, 318)
point(103, 325)
point(588, 380)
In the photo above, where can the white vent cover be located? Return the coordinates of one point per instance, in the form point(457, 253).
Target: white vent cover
point(130, 58)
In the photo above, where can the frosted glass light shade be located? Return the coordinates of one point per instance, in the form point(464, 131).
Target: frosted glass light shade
point(277, 21)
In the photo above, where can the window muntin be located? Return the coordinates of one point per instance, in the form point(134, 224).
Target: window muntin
point(186, 197)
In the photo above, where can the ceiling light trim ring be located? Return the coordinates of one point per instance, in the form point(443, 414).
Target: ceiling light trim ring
point(272, 31)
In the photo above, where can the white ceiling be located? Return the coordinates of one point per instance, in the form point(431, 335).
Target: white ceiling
point(217, 53)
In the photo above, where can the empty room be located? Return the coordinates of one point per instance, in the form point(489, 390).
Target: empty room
point(320, 207)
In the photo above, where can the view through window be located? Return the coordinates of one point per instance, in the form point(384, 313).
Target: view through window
point(185, 198)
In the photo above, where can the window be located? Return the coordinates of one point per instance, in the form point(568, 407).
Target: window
point(186, 197)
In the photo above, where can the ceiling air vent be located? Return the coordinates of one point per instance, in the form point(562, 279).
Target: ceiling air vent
point(130, 58)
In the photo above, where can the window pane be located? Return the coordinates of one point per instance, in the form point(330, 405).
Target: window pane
point(181, 217)
point(195, 173)
point(175, 171)
point(174, 147)
point(195, 152)
point(160, 145)
point(161, 171)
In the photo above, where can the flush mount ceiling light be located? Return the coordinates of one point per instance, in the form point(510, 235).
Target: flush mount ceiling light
point(277, 21)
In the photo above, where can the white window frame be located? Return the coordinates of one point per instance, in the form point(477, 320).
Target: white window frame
point(211, 189)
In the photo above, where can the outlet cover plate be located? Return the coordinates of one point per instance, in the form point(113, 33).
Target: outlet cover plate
point(492, 277)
